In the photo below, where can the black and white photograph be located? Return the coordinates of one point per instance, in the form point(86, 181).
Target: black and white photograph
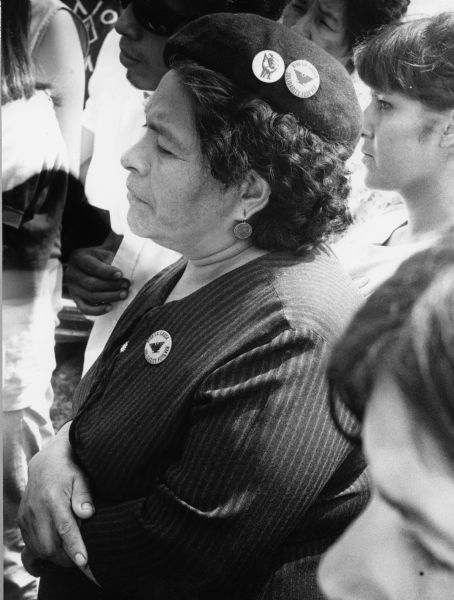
point(228, 299)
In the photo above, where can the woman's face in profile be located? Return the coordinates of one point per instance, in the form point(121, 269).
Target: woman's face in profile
point(402, 546)
point(173, 198)
point(322, 21)
point(402, 143)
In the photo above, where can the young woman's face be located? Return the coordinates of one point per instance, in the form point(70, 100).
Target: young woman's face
point(401, 144)
point(402, 546)
point(174, 200)
point(322, 21)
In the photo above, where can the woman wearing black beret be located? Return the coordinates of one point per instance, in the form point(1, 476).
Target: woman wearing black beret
point(202, 461)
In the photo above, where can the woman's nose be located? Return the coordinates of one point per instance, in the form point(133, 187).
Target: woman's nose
point(134, 160)
point(367, 130)
point(127, 23)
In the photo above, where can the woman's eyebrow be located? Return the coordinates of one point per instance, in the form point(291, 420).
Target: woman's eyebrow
point(166, 132)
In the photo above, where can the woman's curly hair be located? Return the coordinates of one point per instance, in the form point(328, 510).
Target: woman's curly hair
point(306, 174)
point(364, 17)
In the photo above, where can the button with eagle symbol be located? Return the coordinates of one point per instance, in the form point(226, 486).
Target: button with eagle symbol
point(268, 66)
point(157, 347)
point(302, 78)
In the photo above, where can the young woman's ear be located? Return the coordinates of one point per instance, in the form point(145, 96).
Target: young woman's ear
point(254, 192)
point(447, 141)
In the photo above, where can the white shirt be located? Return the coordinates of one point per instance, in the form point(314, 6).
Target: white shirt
point(364, 254)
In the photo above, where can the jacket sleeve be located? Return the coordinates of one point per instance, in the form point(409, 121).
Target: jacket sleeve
point(259, 448)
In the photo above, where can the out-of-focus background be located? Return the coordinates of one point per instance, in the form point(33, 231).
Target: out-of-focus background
point(430, 6)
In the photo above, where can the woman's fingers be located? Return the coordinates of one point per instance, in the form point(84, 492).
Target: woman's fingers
point(46, 518)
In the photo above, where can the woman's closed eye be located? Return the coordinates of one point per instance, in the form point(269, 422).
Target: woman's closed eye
point(325, 24)
point(159, 147)
point(163, 150)
point(299, 6)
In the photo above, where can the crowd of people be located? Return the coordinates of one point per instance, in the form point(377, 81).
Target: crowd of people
point(266, 407)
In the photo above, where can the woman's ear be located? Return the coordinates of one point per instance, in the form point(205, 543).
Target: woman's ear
point(254, 193)
point(447, 140)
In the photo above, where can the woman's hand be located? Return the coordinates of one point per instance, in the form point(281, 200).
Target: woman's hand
point(57, 494)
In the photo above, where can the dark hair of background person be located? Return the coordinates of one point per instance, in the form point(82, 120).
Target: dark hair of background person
point(17, 75)
point(415, 58)
point(272, 9)
point(307, 175)
point(414, 346)
point(364, 17)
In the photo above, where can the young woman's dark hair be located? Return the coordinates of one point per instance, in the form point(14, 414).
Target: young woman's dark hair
point(307, 175)
point(406, 332)
point(364, 17)
point(415, 58)
point(17, 76)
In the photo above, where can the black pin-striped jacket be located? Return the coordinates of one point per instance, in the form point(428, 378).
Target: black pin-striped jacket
point(217, 473)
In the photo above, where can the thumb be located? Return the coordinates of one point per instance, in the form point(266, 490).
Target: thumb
point(81, 500)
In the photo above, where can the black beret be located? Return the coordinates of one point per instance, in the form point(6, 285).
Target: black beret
point(272, 62)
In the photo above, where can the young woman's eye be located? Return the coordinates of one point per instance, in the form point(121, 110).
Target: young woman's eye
point(383, 105)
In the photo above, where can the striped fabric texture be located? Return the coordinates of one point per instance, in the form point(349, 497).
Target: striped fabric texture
point(217, 473)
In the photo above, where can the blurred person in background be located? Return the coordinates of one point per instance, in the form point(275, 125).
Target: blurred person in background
point(34, 187)
point(394, 370)
point(103, 279)
point(57, 44)
point(99, 17)
point(338, 26)
point(408, 143)
point(203, 429)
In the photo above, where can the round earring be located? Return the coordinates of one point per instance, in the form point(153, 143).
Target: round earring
point(242, 230)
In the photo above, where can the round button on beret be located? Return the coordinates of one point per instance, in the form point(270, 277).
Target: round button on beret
point(320, 95)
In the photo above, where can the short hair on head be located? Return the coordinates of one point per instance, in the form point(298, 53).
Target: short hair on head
point(307, 175)
point(405, 330)
point(425, 373)
point(415, 58)
point(364, 17)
